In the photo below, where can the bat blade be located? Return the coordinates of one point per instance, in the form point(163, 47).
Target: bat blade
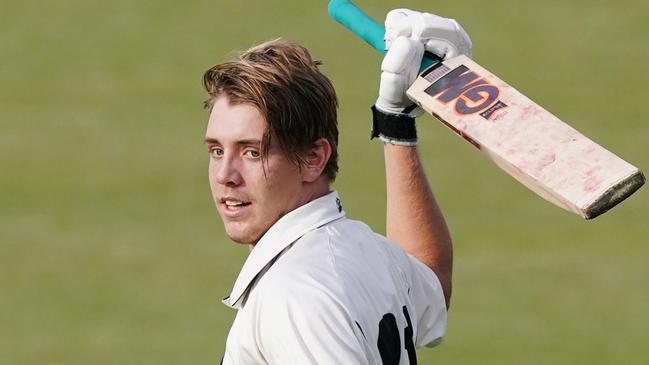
point(531, 144)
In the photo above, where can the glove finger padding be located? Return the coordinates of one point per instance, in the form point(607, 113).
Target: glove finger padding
point(446, 41)
point(400, 68)
point(397, 24)
point(441, 36)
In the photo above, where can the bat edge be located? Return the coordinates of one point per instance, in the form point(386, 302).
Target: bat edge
point(614, 195)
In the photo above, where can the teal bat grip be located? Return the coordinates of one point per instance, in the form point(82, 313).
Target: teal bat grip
point(353, 18)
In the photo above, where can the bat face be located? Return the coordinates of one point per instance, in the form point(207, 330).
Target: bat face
point(528, 142)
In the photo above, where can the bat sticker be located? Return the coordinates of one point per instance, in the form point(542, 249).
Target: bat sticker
point(471, 92)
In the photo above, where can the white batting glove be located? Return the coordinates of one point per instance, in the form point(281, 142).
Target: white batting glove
point(399, 70)
point(443, 37)
point(408, 34)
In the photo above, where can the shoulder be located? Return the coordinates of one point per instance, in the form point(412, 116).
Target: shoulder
point(342, 254)
point(323, 269)
point(301, 315)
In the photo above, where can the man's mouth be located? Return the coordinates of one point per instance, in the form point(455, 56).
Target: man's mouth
point(235, 203)
point(234, 208)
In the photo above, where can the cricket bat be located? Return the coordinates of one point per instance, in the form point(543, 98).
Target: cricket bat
point(525, 140)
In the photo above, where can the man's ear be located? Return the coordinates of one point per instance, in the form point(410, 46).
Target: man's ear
point(316, 160)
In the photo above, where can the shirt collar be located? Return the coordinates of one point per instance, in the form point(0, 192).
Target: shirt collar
point(280, 235)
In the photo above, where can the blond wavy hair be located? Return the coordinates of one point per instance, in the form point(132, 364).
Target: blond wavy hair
point(282, 80)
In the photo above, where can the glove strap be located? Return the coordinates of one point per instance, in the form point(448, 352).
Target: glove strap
point(398, 129)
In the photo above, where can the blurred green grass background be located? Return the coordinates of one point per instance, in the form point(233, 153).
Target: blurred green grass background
point(112, 253)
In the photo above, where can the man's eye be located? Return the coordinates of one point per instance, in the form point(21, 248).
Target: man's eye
point(216, 152)
point(252, 153)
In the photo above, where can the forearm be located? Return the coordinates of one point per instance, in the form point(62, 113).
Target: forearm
point(414, 220)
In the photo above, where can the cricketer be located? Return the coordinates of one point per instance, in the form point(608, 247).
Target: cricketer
point(318, 287)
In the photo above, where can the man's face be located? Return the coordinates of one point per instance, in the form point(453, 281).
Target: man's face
point(249, 198)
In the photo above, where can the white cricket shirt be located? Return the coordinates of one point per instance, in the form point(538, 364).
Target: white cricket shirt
point(319, 288)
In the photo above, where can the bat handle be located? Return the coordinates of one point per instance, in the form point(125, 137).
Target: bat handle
point(353, 18)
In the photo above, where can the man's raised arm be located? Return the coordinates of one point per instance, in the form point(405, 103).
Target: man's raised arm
point(414, 220)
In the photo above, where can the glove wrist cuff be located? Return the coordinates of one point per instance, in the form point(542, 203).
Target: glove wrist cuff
point(398, 129)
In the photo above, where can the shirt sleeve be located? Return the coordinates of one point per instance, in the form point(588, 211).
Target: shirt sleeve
point(428, 299)
point(305, 324)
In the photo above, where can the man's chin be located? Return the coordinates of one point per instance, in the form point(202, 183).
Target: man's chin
point(243, 241)
point(245, 238)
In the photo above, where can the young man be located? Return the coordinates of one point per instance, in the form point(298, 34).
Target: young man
point(318, 288)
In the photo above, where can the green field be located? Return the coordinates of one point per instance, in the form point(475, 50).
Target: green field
point(112, 253)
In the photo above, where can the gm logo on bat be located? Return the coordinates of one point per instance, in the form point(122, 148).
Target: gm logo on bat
point(471, 92)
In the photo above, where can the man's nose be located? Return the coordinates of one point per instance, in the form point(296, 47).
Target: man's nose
point(227, 172)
